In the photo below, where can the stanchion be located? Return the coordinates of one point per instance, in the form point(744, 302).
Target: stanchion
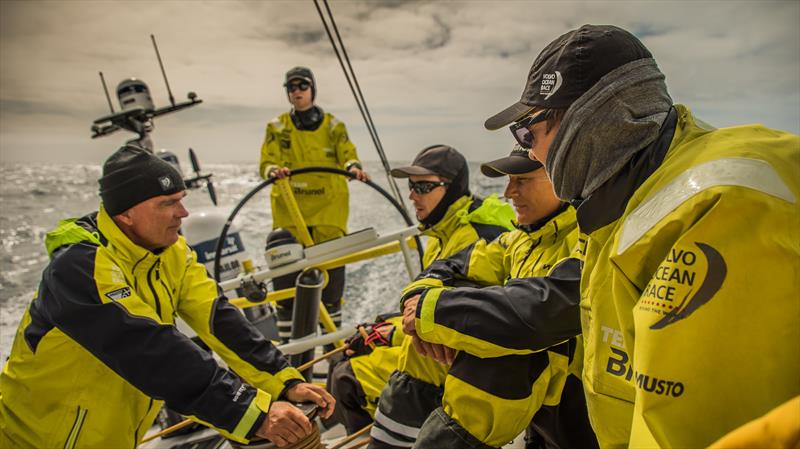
point(305, 315)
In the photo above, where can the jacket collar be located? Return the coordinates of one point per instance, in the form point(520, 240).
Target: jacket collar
point(118, 241)
point(562, 219)
point(451, 219)
point(609, 201)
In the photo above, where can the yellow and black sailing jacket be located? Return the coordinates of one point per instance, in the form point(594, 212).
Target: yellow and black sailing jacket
point(323, 198)
point(494, 394)
point(689, 297)
point(466, 221)
point(97, 350)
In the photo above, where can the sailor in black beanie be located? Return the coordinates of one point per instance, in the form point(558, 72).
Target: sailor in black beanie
point(103, 323)
point(132, 175)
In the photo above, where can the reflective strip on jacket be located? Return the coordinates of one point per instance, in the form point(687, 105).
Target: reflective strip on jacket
point(494, 392)
point(323, 198)
point(689, 296)
point(467, 221)
point(97, 351)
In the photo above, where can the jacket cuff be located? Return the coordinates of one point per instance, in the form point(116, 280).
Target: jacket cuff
point(425, 314)
point(267, 170)
point(287, 374)
point(259, 421)
point(410, 293)
point(253, 417)
point(289, 384)
point(354, 163)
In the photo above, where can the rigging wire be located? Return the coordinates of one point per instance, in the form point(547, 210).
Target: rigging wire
point(358, 95)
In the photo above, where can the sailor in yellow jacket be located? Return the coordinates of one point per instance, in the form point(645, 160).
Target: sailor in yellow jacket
point(452, 219)
point(493, 393)
point(303, 137)
point(690, 242)
point(97, 352)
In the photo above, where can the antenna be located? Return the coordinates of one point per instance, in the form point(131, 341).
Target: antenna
point(105, 89)
point(158, 55)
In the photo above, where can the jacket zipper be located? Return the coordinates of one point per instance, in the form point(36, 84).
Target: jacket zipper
point(169, 295)
point(153, 290)
point(141, 421)
point(530, 250)
point(80, 417)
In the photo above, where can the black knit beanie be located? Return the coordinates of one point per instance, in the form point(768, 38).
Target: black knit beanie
point(132, 175)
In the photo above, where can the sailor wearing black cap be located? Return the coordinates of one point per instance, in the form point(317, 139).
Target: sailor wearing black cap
point(670, 296)
point(97, 352)
point(451, 218)
point(495, 386)
point(303, 137)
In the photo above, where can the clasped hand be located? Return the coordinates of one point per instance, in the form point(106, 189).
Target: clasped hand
point(440, 353)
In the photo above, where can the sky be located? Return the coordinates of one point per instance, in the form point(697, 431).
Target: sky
point(431, 72)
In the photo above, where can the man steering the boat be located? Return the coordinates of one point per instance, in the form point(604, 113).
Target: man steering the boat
point(307, 136)
point(97, 351)
point(451, 218)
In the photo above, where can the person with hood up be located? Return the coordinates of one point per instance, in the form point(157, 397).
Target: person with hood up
point(689, 244)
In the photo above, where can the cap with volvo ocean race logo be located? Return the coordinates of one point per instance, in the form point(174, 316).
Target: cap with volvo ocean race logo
point(569, 66)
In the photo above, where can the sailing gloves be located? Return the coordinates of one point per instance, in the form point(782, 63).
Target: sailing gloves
point(368, 337)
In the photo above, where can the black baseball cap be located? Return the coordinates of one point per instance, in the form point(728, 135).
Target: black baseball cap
point(569, 66)
point(516, 163)
point(440, 160)
point(299, 73)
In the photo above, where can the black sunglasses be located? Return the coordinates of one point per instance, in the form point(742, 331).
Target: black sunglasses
point(302, 85)
point(522, 129)
point(424, 187)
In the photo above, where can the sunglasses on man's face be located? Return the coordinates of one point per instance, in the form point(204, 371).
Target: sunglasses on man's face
point(302, 85)
point(522, 129)
point(424, 187)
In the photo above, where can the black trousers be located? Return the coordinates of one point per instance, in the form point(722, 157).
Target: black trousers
point(350, 396)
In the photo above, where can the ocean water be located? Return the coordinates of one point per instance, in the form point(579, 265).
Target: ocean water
point(33, 198)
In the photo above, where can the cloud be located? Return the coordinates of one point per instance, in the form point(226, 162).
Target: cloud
point(431, 71)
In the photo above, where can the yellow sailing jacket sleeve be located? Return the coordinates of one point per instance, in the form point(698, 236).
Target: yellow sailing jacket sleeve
point(345, 148)
point(716, 297)
point(691, 293)
point(270, 149)
point(225, 330)
point(523, 316)
point(778, 428)
point(482, 263)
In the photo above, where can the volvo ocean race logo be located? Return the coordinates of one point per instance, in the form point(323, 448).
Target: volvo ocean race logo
point(119, 293)
point(551, 82)
point(673, 292)
point(165, 182)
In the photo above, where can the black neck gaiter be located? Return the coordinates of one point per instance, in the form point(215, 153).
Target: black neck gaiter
point(308, 120)
point(458, 188)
